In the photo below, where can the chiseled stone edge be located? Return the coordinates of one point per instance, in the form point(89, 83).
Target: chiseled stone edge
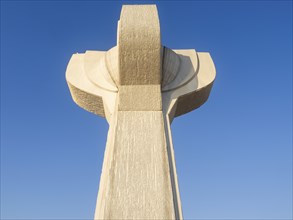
point(193, 100)
point(86, 100)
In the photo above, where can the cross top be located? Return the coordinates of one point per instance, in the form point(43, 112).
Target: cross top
point(139, 86)
point(140, 59)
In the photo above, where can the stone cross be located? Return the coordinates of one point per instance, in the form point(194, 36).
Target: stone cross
point(139, 86)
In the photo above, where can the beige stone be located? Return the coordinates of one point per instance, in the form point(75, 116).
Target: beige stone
point(140, 98)
point(139, 44)
point(139, 86)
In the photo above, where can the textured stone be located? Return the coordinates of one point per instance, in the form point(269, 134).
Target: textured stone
point(139, 86)
point(140, 98)
point(139, 44)
point(136, 175)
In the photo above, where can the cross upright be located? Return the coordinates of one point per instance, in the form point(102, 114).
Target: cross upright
point(139, 86)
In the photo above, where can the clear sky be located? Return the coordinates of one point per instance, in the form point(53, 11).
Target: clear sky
point(234, 154)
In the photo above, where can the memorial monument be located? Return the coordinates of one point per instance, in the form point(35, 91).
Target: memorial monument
point(139, 86)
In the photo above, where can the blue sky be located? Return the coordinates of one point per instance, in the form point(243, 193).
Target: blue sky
point(234, 154)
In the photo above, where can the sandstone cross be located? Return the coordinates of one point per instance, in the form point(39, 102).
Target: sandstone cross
point(139, 86)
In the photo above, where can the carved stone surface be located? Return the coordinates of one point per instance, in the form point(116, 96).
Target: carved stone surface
point(139, 86)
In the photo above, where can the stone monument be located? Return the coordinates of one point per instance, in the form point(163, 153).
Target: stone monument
point(139, 86)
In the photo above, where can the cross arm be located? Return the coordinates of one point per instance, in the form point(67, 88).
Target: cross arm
point(187, 79)
point(192, 81)
point(90, 85)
